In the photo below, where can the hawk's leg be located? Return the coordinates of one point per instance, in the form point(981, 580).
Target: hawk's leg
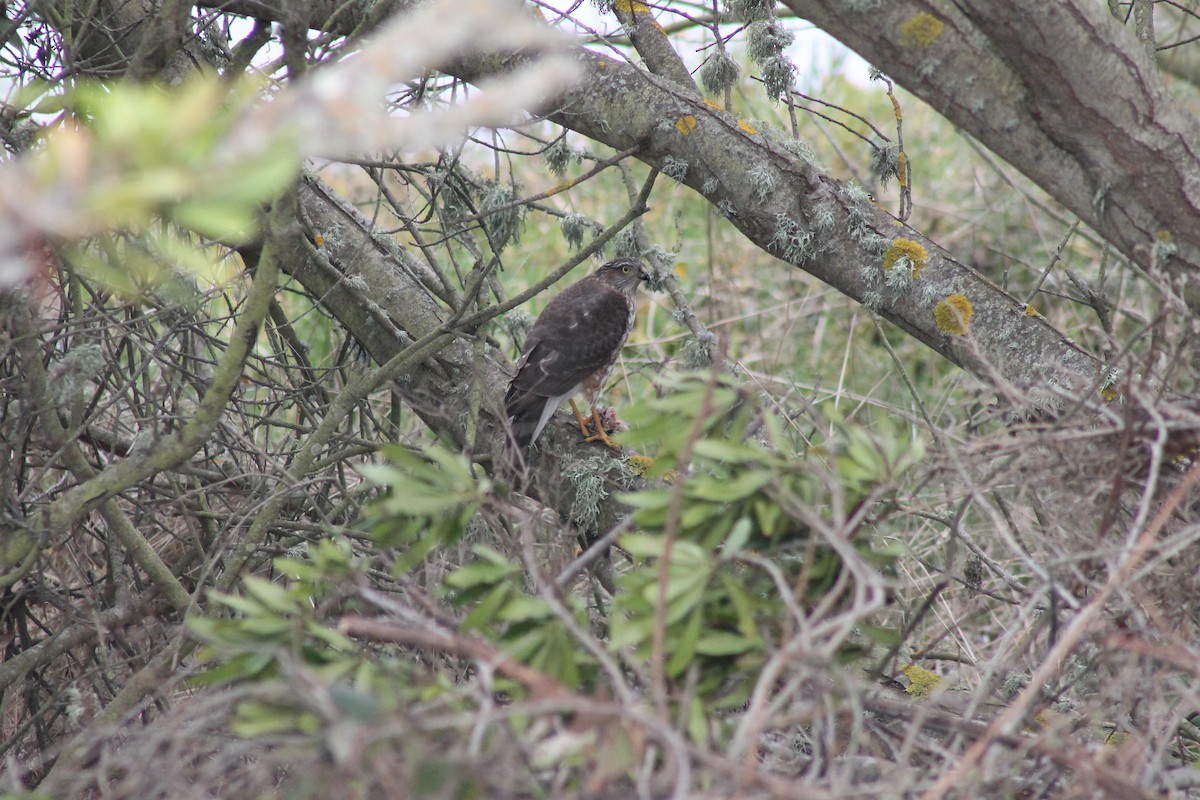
point(601, 434)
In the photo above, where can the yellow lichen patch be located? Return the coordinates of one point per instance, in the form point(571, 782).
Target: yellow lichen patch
point(917, 255)
point(680, 269)
point(920, 30)
point(685, 125)
point(921, 682)
point(631, 6)
point(713, 104)
point(1109, 394)
point(318, 240)
point(640, 464)
point(1163, 236)
point(953, 315)
point(746, 126)
point(1030, 311)
point(902, 168)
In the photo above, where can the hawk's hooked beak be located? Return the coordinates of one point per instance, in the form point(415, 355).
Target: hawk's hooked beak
point(644, 274)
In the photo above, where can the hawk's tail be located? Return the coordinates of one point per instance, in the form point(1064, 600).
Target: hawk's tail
point(523, 427)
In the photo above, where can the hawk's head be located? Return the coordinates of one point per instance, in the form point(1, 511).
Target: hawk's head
point(623, 274)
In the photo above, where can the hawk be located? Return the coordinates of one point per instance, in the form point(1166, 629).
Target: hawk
point(571, 349)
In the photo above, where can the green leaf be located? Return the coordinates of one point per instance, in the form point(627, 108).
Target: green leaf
point(724, 643)
point(737, 488)
point(478, 573)
point(217, 219)
point(684, 648)
point(523, 608)
point(738, 536)
point(643, 546)
point(486, 610)
point(888, 637)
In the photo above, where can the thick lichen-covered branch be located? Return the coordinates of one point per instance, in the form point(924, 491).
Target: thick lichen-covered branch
point(1084, 119)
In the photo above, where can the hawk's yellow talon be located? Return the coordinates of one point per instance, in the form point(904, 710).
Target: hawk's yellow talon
point(583, 421)
point(601, 432)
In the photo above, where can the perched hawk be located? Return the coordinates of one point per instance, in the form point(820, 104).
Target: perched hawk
point(571, 349)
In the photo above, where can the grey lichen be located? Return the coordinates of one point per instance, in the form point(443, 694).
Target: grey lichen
point(765, 43)
point(719, 73)
point(696, 353)
point(767, 39)
point(1014, 682)
point(516, 323)
point(725, 209)
point(589, 476)
point(558, 155)
point(625, 244)
point(900, 274)
point(873, 301)
point(800, 149)
point(504, 223)
point(675, 168)
point(885, 161)
point(871, 276)
point(930, 293)
point(573, 227)
point(710, 185)
point(762, 180)
point(872, 242)
point(856, 194)
point(791, 241)
point(778, 75)
point(749, 10)
point(928, 67)
point(822, 219)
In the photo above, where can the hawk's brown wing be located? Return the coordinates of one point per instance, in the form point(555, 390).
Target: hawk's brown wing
point(577, 336)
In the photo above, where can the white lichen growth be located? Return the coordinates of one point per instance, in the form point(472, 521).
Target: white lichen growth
point(501, 218)
point(791, 241)
point(885, 161)
point(765, 43)
point(558, 155)
point(719, 73)
point(871, 276)
point(573, 227)
point(822, 219)
point(625, 244)
point(762, 180)
point(696, 352)
point(675, 168)
point(749, 10)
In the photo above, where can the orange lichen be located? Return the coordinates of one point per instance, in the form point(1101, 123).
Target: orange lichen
point(685, 125)
point(713, 104)
point(917, 255)
point(746, 126)
point(631, 6)
point(920, 30)
point(953, 315)
point(1109, 394)
point(1030, 311)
